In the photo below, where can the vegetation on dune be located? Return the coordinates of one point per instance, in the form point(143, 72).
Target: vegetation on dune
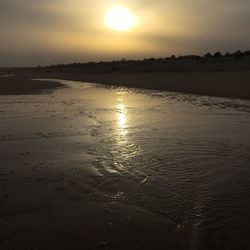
point(217, 61)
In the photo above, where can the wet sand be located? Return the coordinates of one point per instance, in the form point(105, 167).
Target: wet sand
point(71, 175)
point(17, 85)
point(51, 194)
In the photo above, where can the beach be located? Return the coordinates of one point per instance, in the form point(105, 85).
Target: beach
point(95, 167)
point(124, 125)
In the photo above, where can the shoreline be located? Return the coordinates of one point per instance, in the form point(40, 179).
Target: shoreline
point(229, 84)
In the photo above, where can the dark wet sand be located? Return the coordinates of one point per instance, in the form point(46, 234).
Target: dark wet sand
point(17, 85)
point(50, 195)
point(50, 204)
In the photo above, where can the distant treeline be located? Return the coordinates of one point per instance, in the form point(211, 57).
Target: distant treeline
point(217, 61)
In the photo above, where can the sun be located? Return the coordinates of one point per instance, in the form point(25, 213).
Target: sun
point(120, 19)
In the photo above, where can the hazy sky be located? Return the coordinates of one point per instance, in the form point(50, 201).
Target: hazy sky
point(43, 32)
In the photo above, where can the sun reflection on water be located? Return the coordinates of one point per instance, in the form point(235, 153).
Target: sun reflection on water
point(121, 115)
point(122, 120)
point(124, 146)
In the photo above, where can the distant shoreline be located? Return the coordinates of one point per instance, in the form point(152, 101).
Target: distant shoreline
point(231, 84)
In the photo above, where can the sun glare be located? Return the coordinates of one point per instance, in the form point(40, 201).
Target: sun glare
point(120, 19)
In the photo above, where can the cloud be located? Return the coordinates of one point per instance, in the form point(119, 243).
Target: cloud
point(47, 30)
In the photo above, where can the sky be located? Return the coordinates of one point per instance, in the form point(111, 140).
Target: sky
point(64, 31)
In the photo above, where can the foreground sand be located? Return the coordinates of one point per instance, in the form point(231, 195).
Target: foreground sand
point(51, 194)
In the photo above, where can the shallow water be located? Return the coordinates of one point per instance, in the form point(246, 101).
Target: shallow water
point(182, 156)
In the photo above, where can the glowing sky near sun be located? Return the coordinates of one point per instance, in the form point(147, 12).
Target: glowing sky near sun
point(120, 18)
point(61, 31)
